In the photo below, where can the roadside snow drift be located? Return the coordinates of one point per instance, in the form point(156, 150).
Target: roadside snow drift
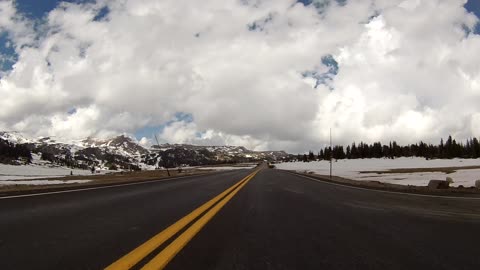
point(40, 182)
point(361, 169)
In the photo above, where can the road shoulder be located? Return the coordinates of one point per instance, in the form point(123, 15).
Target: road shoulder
point(100, 181)
point(376, 185)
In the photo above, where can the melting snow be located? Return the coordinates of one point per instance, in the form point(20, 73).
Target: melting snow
point(40, 182)
point(351, 169)
point(11, 172)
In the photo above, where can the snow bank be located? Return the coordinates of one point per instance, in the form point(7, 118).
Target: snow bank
point(12, 172)
point(40, 182)
point(351, 169)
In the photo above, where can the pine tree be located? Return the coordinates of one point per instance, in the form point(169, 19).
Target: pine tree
point(476, 148)
point(321, 155)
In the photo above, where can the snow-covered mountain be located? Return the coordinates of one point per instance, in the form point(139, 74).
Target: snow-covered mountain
point(14, 137)
point(121, 145)
point(122, 152)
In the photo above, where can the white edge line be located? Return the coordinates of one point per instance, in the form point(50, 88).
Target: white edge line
point(102, 187)
point(384, 191)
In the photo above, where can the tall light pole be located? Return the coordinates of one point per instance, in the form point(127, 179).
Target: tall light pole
point(331, 153)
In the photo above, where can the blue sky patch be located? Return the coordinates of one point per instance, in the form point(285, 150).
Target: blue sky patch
point(8, 56)
point(324, 78)
point(72, 111)
point(102, 14)
point(148, 131)
point(474, 6)
point(331, 63)
point(36, 9)
point(182, 116)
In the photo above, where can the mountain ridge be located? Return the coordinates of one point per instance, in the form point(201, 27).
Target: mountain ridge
point(123, 152)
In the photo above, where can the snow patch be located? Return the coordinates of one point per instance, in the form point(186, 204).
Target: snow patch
point(12, 172)
point(351, 168)
point(40, 182)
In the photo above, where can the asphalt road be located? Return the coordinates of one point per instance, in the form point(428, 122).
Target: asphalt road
point(276, 221)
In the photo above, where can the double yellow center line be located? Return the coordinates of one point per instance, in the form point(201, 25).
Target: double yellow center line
point(168, 253)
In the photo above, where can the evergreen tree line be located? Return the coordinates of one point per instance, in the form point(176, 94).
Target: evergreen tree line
point(445, 150)
point(9, 152)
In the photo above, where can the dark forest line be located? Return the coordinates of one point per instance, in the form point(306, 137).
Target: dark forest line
point(444, 150)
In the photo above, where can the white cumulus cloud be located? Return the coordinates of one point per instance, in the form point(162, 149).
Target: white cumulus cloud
point(247, 72)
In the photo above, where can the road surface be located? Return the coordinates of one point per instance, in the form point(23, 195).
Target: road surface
point(271, 220)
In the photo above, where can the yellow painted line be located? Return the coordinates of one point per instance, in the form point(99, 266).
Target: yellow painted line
point(167, 254)
point(136, 255)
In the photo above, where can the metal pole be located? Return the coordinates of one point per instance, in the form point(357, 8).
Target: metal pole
point(331, 153)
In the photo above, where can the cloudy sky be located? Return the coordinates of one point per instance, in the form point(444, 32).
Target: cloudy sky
point(266, 74)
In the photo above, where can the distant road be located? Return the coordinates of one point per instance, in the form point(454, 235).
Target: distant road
point(269, 219)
